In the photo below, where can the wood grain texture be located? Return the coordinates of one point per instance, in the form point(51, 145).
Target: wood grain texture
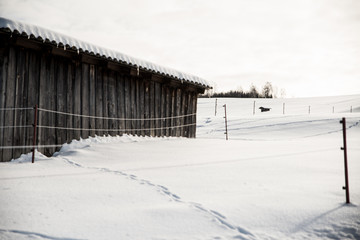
point(99, 100)
point(85, 100)
point(8, 133)
point(29, 77)
point(92, 98)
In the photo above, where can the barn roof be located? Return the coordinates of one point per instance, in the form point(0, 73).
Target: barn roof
point(60, 40)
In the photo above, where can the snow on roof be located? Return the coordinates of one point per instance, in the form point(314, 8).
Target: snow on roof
point(61, 40)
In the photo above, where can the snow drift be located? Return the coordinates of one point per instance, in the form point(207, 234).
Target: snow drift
point(280, 176)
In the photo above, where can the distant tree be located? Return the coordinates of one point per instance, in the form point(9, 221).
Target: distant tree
point(253, 93)
point(275, 92)
point(267, 90)
point(239, 89)
point(208, 93)
point(282, 93)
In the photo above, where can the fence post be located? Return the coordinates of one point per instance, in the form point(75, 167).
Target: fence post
point(254, 108)
point(215, 106)
point(346, 187)
point(283, 108)
point(309, 109)
point(226, 130)
point(34, 136)
point(350, 109)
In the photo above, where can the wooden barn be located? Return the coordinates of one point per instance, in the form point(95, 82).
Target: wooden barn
point(71, 89)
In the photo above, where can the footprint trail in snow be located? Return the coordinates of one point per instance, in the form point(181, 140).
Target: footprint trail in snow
point(217, 217)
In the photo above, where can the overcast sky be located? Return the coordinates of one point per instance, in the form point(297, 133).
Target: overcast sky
point(306, 47)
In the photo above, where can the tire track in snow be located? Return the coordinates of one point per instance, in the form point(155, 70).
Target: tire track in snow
point(217, 217)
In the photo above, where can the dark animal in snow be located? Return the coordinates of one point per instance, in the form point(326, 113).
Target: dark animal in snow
point(264, 109)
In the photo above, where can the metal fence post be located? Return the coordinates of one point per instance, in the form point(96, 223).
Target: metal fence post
point(254, 108)
point(346, 187)
point(215, 106)
point(34, 136)
point(283, 108)
point(226, 130)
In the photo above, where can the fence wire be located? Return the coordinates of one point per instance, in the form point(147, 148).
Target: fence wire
point(90, 129)
point(113, 118)
point(24, 126)
point(116, 130)
point(16, 109)
point(31, 146)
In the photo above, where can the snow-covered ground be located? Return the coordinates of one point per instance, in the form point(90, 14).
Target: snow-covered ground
point(279, 176)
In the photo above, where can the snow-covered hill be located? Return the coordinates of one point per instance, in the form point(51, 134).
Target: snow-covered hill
point(279, 176)
point(287, 118)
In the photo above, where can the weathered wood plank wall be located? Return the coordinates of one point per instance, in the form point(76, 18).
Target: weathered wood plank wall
point(59, 83)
